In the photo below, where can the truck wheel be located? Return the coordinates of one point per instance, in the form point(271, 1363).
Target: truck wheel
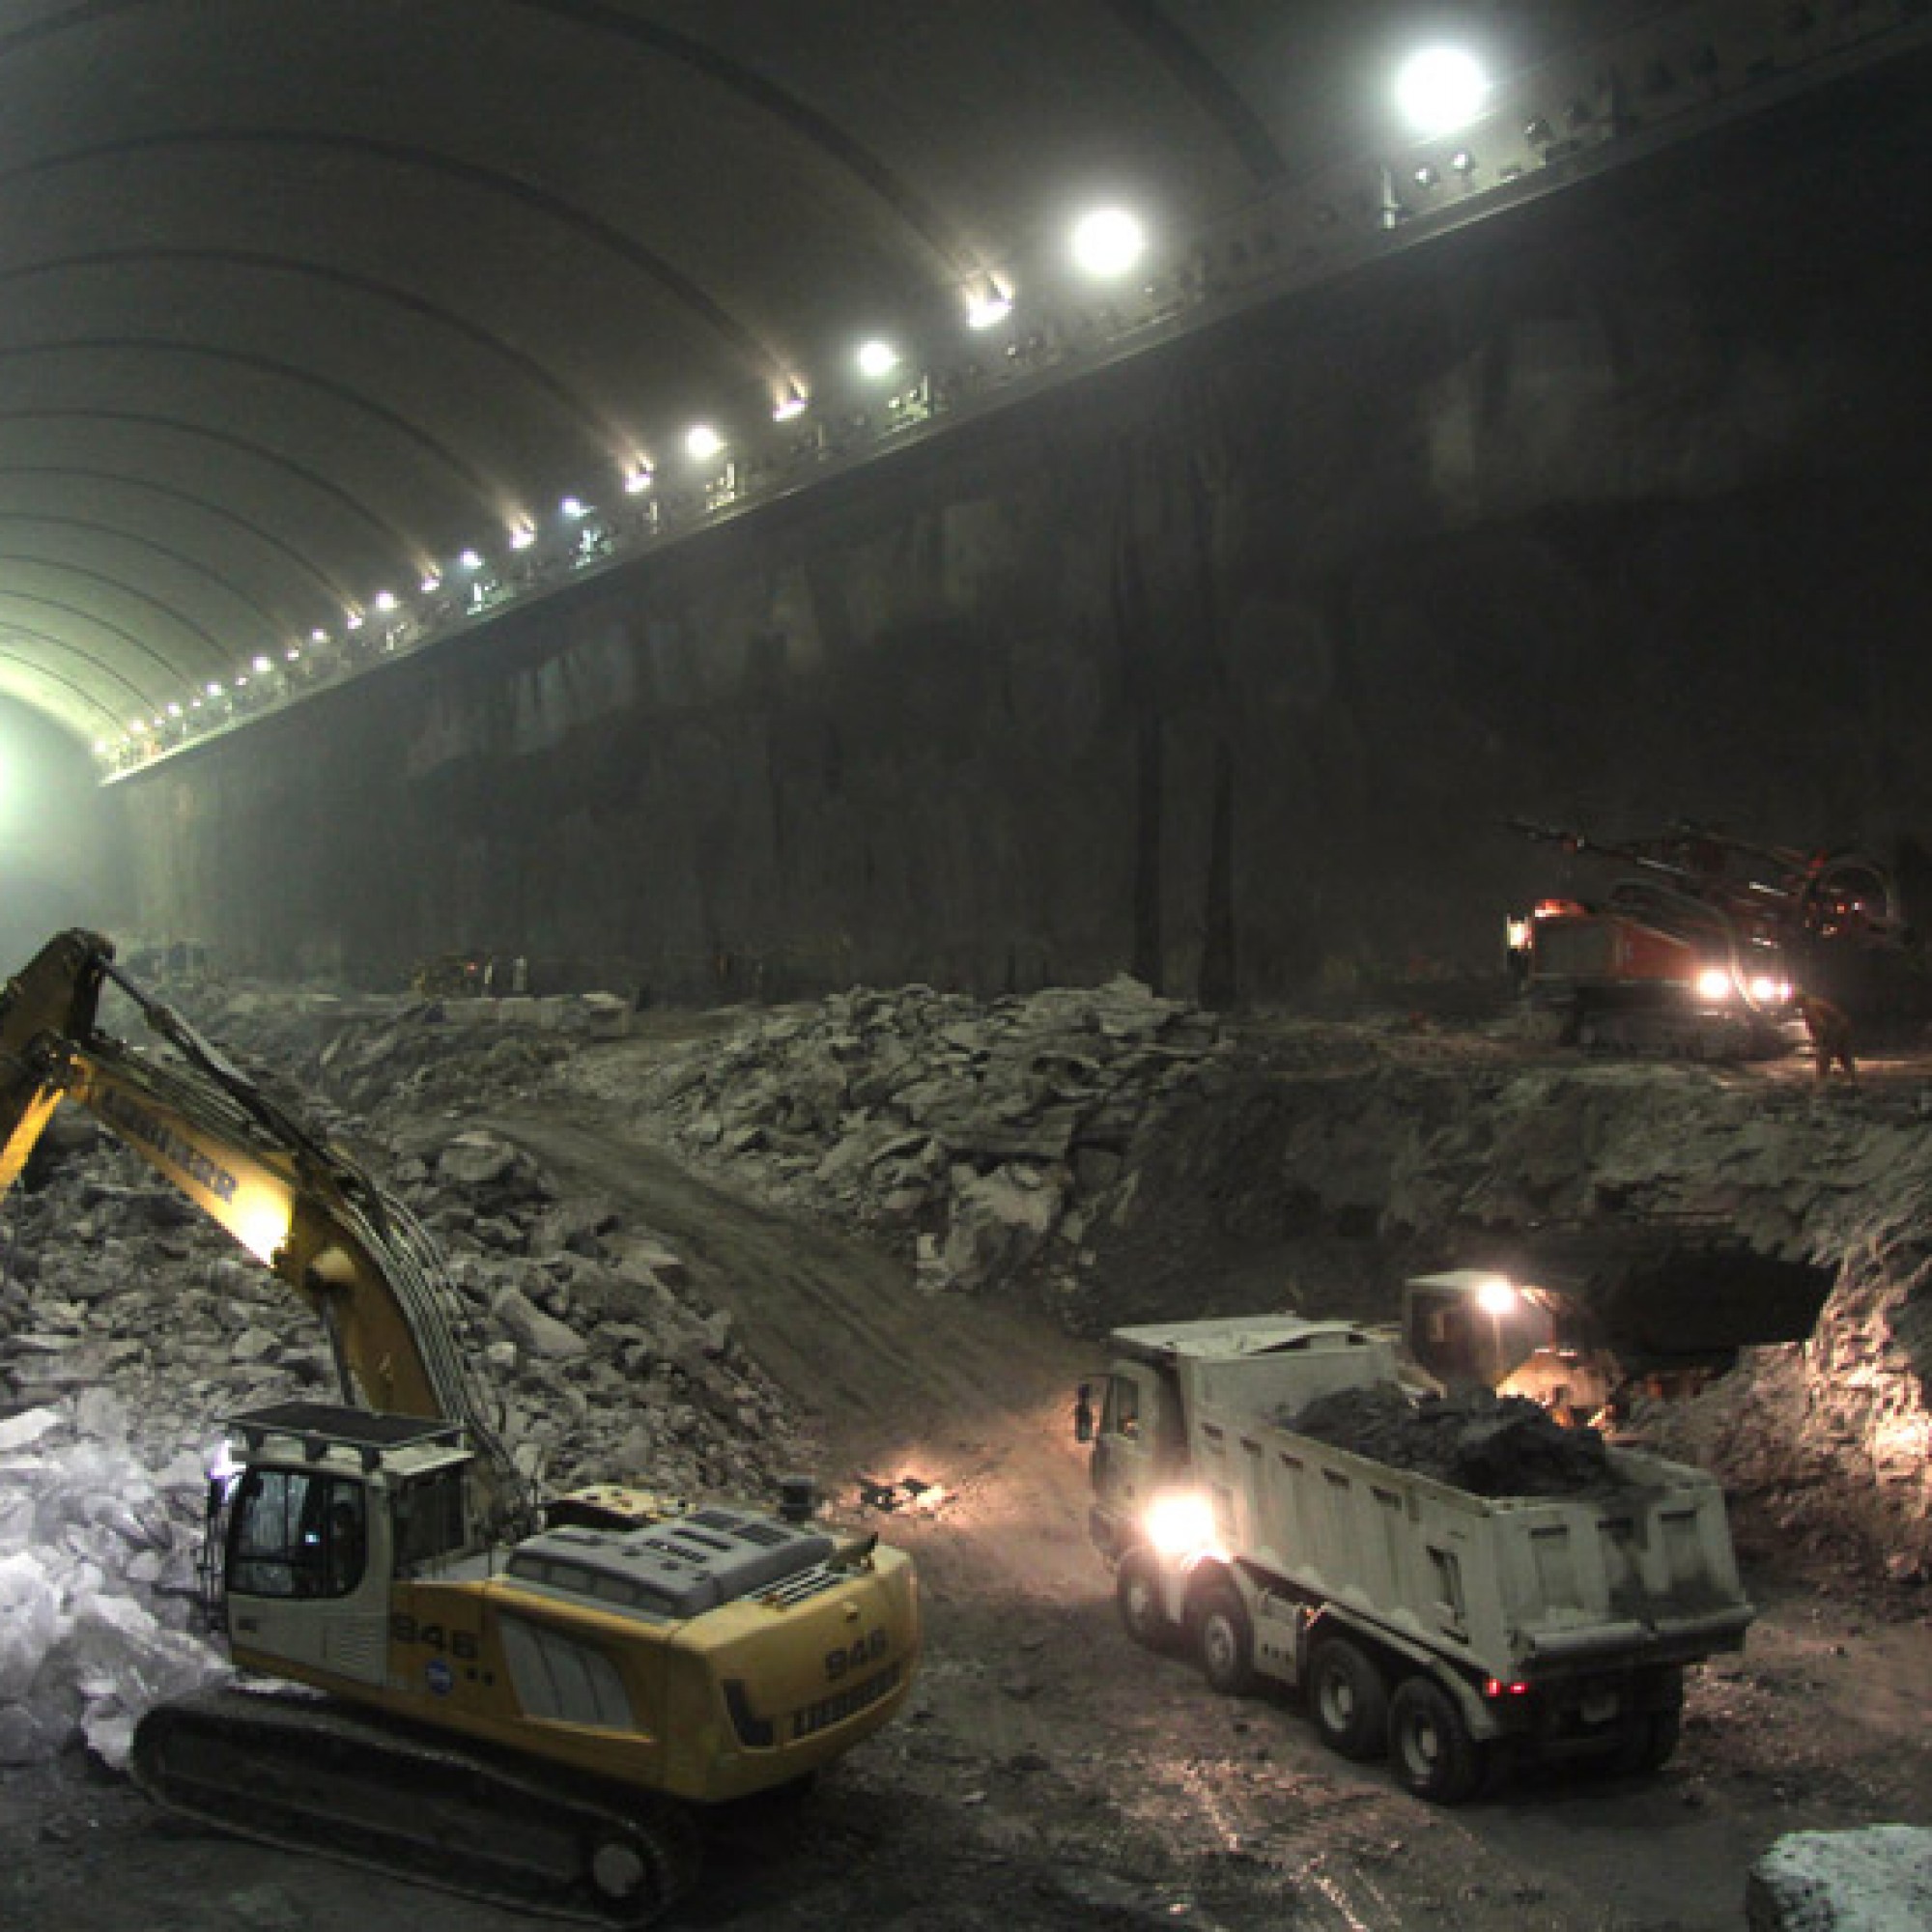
point(1347, 1699)
point(1430, 1746)
point(1650, 1743)
point(1225, 1639)
point(1137, 1596)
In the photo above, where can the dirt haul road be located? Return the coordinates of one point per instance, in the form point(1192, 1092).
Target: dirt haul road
point(1048, 1774)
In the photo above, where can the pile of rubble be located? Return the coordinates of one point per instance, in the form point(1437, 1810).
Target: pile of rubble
point(129, 1329)
point(377, 1053)
point(988, 1138)
point(1472, 1439)
point(97, 1574)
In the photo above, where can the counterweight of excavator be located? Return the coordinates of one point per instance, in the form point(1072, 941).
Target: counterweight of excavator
point(867, 1650)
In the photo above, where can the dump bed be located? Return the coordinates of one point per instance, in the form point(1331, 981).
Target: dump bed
point(1641, 1570)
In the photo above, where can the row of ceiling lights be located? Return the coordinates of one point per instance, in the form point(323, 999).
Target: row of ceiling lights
point(1437, 90)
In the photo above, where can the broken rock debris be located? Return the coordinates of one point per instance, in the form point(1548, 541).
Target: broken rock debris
point(989, 1138)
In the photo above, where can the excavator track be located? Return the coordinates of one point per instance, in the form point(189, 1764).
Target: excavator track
point(312, 1776)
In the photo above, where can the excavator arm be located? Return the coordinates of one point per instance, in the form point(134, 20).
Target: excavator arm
point(291, 1198)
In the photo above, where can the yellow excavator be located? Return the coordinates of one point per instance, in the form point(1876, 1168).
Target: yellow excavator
point(527, 1702)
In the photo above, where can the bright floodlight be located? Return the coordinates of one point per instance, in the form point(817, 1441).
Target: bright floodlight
point(1440, 88)
point(1497, 1296)
point(702, 443)
point(1108, 241)
point(877, 358)
point(988, 305)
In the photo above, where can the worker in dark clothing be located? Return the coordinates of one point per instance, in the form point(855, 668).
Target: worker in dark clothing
point(1829, 1027)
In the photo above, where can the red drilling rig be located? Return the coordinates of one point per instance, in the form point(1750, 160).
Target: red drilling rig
point(1702, 943)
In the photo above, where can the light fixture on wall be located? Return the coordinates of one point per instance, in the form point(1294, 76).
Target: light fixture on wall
point(1439, 89)
point(1108, 243)
point(988, 302)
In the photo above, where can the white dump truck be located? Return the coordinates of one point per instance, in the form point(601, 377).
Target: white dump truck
point(1454, 1631)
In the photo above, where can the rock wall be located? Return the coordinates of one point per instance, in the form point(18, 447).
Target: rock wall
point(1219, 666)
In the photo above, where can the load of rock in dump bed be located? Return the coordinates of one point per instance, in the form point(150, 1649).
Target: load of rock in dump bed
point(1473, 1439)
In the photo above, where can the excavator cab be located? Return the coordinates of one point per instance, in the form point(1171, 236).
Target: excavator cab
point(323, 1507)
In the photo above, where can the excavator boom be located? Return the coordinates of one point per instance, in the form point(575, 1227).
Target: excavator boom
point(296, 1201)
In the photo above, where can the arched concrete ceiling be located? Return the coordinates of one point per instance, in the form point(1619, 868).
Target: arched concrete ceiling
point(301, 297)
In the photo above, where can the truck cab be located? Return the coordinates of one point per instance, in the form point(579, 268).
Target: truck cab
point(1140, 1448)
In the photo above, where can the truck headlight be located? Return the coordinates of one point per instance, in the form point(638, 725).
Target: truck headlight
point(1181, 1523)
point(1713, 983)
